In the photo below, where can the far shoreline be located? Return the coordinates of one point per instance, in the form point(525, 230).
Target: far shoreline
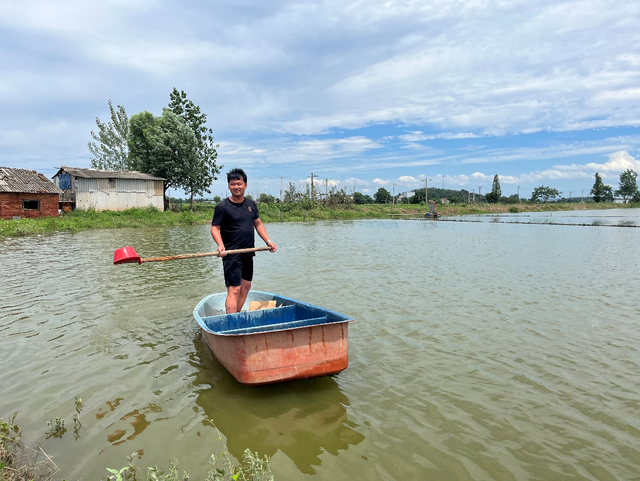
point(285, 212)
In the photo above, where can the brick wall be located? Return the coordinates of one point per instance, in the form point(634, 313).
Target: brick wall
point(11, 205)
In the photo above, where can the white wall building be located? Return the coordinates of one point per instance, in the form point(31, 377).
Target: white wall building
point(110, 189)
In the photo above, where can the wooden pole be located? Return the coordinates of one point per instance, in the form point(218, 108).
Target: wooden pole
point(203, 254)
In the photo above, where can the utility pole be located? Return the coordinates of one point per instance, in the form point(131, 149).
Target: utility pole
point(312, 196)
point(480, 190)
point(426, 194)
point(394, 193)
point(281, 189)
point(518, 193)
point(582, 199)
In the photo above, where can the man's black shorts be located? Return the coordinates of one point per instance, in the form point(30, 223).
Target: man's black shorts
point(237, 268)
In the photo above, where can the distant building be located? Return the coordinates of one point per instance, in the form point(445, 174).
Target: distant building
point(110, 189)
point(27, 193)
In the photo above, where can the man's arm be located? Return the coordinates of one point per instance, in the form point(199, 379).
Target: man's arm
point(217, 237)
point(262, 232)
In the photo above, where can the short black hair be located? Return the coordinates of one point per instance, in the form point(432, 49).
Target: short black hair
point(236, 174)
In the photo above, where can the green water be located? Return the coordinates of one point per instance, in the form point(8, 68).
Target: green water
point(480, 351)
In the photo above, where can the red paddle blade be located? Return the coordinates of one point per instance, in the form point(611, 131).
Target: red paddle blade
point(126, 254)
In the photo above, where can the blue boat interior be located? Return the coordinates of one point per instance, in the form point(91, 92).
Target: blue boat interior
point(288, 314)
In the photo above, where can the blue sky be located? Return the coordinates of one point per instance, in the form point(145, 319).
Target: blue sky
point(362, 94)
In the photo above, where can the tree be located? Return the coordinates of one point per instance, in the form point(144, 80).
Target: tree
point(109, 147)
point(360, 198)
point(496, 192)
point(601, 192)
point(202, 171)
point(628, 184)
point(382, 196)
point(544, 193)
point(265, 198)
point(292, 194)
point(164, 146)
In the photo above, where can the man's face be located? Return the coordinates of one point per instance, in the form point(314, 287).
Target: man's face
point(237, 187)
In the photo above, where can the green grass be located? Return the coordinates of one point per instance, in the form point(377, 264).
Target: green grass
point(284, 212)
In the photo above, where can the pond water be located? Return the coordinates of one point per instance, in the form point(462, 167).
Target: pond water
point(479, 351)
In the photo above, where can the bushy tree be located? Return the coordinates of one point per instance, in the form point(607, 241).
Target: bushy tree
point(628, 185)
point(544, 194)
point(264, 198)
point(202, 171)
point(109, 147)
point(164, 146)
point(496, 192)
point(382, 196)
point(360, 198)
point(601, 192)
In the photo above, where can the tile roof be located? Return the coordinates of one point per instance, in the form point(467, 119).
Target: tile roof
point(107, 174)
point(26, 181)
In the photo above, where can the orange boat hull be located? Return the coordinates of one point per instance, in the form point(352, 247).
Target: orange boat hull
point(294, 340)
point(270, 357)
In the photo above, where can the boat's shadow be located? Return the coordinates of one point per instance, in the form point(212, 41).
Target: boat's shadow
point(302, 419)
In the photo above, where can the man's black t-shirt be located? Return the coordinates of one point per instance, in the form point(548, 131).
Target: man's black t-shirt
point(236, 222)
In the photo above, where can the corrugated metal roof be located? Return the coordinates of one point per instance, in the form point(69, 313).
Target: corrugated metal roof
point(27, 181)
point(107, 174)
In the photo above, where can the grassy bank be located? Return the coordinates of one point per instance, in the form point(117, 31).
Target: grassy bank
point(83, 220)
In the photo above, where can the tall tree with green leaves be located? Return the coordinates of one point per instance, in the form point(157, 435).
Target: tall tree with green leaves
point(628, 185)
point(496, 191)
point(382, 196)
point(544, 194)
point(163, 146)
point(201, 173)
point(109, 147)
point(601, 192)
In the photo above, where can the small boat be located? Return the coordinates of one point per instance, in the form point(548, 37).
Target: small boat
point(274, 338)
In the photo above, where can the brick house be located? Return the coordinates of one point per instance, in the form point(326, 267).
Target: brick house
point(27, 193)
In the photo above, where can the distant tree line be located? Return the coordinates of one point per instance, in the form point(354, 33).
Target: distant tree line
point(176, 145)
point(628, 190)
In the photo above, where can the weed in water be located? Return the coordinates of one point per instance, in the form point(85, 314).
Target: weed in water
point(56, 428)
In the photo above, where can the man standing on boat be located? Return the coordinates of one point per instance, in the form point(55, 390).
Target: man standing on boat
point(232, 228)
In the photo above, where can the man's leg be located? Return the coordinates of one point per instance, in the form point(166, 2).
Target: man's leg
point(231, 303)
point(245, 287)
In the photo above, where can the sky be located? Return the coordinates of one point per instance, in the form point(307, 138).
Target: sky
point(358, 94)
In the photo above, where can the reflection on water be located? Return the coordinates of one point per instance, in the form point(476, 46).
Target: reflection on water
point(609, 218)
point(274, 417)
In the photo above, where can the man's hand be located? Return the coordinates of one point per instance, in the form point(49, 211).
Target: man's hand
point(272, 245)
point(222, 251)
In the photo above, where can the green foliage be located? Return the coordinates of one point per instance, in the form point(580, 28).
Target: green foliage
point(382, 196)
point(56, 428)
point(200, 170)
point(544, 194)
point(254, 468)
point(109, 147)
point(360, 198)
point(496, 192)
point(9, 431)
point(163, 146)
point(266, 199)
point(628, 185)
point(293, 194)
point(601, 192)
